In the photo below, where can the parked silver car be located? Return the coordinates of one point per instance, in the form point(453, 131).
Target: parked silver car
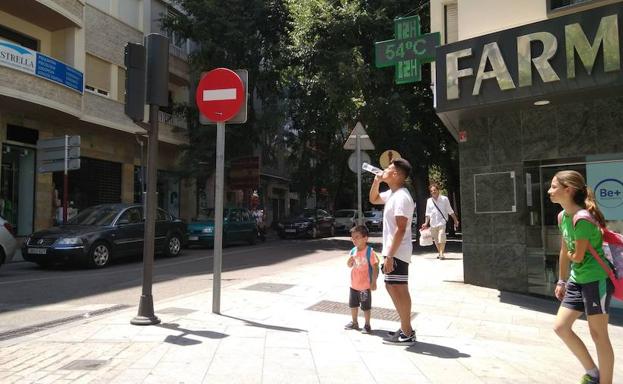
point(345, 219)
point(8, 244)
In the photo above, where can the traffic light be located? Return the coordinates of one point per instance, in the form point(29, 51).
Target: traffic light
point(135, 81)
point(157, 70)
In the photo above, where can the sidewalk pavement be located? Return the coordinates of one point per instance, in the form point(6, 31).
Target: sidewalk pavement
point(268, 334)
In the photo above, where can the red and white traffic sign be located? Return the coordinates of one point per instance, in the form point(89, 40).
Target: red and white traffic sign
point(220, 94)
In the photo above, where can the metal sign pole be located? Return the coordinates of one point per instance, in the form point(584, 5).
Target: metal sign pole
point(146, 315)
point(218, 217)
point(65, 180)
point(359, 213)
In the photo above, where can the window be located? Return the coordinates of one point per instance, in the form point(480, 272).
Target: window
point(121, 74)
point(451, 24)
point(103, 5)
point(18, 38)
point(131, 216)
point(97, 76)
point(556, 4)
point(128, 11)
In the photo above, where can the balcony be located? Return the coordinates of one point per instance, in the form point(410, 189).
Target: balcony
point(52, 15)
point(26, 88)
point(172, 120)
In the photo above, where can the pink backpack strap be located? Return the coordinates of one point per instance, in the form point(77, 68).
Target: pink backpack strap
point(584, 214)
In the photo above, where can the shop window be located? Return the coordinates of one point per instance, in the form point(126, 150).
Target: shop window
point(495, 192)
point(18, 38)
point(17, 193)
point(97, 76)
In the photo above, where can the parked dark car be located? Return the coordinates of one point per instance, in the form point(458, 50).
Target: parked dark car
point(374, 220)
point(309, 223)
point(238, 226)
point(103, 232)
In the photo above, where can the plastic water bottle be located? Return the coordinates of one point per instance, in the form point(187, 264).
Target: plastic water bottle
point(371, 169)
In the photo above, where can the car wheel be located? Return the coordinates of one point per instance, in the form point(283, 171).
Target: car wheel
point(99, 256)
point(174, 246)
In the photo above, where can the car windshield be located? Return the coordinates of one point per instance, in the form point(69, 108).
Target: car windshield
point(344, 213)
point(96, 216)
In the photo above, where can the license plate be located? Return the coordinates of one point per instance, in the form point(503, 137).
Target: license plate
point(290, 230)
point(193, 238)
point(37, 251)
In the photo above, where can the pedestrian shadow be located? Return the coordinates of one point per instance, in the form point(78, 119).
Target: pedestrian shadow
point(184, 341)
point(435, 350)
point(266, 326)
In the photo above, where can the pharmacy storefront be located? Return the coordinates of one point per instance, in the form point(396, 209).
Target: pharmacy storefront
point(525, 103)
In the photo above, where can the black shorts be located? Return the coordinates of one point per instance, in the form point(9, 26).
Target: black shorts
point(400, 274)
point(591, 298)
point(360, 298)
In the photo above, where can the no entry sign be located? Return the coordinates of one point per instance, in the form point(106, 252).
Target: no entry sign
point(220, 94)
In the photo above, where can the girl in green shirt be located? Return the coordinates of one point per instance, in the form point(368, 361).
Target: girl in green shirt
point(588, 289)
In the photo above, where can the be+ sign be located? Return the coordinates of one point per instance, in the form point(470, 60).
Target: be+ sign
point(408, 51)
point(220, 94)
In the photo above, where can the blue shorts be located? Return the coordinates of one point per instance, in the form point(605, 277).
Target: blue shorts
point(591, 298)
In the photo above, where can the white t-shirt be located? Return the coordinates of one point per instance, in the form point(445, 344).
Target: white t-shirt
point(436, 219)
point(398, 203)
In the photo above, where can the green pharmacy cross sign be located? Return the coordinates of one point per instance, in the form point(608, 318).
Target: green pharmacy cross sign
point(408, 51)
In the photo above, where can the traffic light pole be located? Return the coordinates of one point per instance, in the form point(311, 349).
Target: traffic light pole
point(218, 217)
point(146, 315)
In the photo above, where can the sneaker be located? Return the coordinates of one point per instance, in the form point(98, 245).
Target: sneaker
point(366, 329)
point(391, 334)
point(352, 325)
point(402, 338)
point(588, 379)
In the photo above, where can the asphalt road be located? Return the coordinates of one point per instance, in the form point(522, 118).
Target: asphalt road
point(32, 297)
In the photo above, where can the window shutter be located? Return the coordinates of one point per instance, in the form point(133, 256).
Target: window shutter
point(451, 23)
point(97, 73)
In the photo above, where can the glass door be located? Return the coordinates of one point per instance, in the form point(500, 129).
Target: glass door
point(605, 177)
point(17, 187)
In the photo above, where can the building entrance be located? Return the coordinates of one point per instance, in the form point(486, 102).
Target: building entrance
point(542, 234)
point(17, 187)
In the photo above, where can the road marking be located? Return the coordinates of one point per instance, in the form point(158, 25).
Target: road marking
point(219, 94)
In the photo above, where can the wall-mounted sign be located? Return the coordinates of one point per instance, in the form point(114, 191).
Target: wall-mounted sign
point(407, 51)
point(606, 180)
point(34, 63)
point(574, 52)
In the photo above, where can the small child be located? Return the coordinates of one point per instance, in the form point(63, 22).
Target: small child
point(365, 270)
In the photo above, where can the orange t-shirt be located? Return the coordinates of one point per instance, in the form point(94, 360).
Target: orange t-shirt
point(359, 275)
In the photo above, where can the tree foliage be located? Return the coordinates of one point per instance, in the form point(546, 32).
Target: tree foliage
point(311, 63)
point(238, 34)
point(335, 83)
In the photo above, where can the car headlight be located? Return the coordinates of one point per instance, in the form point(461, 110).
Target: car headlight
point(207, 230)
point(69, 241)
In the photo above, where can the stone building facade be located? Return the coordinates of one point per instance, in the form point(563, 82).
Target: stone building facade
point(87, 37)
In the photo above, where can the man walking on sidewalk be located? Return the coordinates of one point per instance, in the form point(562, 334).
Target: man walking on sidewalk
point(438, 209)
point(397, 247)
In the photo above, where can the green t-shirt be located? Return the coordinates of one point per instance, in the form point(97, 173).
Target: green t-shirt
point(589, 269)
